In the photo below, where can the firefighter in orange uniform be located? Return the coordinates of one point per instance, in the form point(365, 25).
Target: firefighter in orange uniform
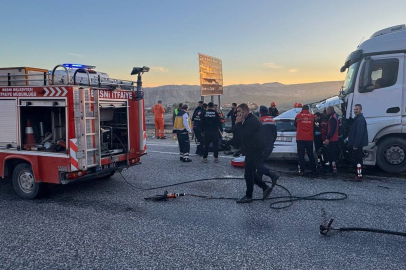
point(158, 111)
point(304, 123)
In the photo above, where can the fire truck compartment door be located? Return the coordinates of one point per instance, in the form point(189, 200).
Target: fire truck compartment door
point(43, 102)
point(8, 122)
point(113, 104)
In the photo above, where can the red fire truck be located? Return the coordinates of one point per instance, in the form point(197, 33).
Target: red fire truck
point(68, 124)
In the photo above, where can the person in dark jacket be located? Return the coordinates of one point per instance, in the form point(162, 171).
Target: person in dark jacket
point(211, 126)
point(197, 128)
point(198, 108)
point(357, 139)
point(273, 111)
point(233, 114)
point(331, 141)
point(269, 132)
point(249, 127)
point(269, 135)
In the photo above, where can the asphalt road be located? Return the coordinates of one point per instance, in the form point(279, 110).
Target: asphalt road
point(106, 224)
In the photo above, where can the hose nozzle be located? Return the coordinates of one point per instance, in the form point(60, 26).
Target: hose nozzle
point(324, 229)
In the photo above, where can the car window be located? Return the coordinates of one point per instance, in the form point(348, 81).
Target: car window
point(285, 126)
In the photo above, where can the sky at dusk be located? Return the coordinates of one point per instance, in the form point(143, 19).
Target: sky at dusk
point(258, 41)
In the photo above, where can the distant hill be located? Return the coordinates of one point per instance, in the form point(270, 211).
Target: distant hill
point(261, 94)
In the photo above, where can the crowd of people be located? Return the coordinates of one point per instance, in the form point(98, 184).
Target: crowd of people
point(255, 136)
point(324, 131)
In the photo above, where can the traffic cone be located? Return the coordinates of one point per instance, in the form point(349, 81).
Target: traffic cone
point(29, 136)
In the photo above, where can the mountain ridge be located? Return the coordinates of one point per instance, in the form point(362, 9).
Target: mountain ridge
point(262, 94)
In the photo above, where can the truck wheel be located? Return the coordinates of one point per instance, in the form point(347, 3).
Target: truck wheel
point(391, 155)
point(24, 182)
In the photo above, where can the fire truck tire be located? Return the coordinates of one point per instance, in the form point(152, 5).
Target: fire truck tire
point(24, 182)
point(391, 155)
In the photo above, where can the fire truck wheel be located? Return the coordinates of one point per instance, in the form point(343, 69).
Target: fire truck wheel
point(391, 155)
point(24, 182)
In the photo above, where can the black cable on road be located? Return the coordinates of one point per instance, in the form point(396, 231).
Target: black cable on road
point(325, 229)
point(285, 201)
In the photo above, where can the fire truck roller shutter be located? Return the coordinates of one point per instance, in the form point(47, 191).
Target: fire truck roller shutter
point(8, 122)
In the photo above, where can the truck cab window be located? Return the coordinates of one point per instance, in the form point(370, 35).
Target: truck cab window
point(383, 74)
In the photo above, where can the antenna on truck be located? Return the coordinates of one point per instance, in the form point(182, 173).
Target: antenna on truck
point(361, 41)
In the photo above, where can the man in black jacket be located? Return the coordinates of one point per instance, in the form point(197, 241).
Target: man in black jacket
point(211, 126)
point(233, 114)
point(249, 127)
point(197, 128)
point(357, 139)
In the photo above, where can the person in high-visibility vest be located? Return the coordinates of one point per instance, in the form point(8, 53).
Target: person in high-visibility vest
point(158, 111)
point(182, 127)
point(175, 113)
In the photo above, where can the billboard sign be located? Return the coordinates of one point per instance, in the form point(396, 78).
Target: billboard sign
point(211, 75)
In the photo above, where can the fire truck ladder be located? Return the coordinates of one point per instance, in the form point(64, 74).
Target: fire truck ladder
point(89, 142)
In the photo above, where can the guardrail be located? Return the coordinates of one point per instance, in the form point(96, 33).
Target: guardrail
point(150, 125)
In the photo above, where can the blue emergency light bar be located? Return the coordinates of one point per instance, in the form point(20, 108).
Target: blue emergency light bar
point(79, 66)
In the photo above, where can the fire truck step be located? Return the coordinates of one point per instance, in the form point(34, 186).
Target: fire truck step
point(92, 165)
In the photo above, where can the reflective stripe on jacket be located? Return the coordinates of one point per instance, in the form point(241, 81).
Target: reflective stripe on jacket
point(304, 124)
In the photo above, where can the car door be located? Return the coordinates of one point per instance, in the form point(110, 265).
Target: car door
point(379, 89)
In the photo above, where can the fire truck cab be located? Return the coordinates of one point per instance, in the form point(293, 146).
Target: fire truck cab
point(66, 125)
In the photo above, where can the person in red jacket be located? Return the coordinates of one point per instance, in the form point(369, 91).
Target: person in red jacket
point(158, 111)
point(331, 141)
point(304, 123)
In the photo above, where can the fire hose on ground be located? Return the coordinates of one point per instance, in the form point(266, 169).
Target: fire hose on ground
point(278, 203)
